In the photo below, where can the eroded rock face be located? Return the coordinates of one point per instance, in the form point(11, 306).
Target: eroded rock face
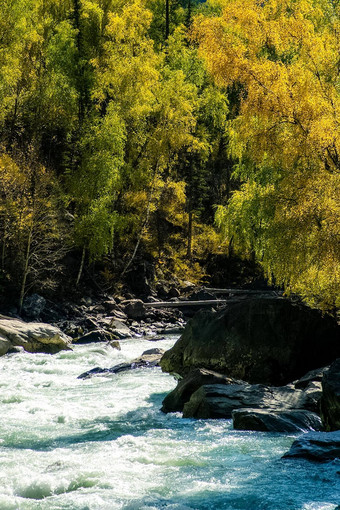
point(317, 446)
point(271, 420)
point(330, 401)
point(219, 401)
point(259, 340)
point(32, 336)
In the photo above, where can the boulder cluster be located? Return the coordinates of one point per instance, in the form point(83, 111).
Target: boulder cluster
point(246, 363)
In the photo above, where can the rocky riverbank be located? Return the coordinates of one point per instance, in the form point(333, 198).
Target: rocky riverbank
point(237, 362)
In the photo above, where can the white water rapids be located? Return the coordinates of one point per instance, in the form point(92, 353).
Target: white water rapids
point(103, 444)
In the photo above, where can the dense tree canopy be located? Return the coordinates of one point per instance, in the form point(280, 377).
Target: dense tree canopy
point(284, 58)
point(123, 124)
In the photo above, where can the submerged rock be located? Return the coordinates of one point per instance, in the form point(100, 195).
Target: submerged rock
point(32, 336)
point(330, 401)
point(271, 420)
point(219, 401)
point(259, 340)
point(148, 359)
point(317, 446)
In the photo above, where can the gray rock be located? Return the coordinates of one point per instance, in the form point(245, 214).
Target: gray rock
point(314, 392)
point(270, 420)
point(259, 340)
point(174, 401)
point(33, 336)
point(115, 345)
point(330, 401)
point(5, 345)
point(177, 330)
point(317, 446)
point(33, 306)
point(155, 338)
point(218, 401)
point(156, 350)
point(98, 335)
point(312, 376)
point(119, 330)
point(134, 308)
point(202, 295)
point(119, 314)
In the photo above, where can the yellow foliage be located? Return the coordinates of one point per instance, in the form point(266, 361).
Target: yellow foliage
point(284, 57)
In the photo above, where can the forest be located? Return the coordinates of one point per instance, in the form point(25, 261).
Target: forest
point(170, 130)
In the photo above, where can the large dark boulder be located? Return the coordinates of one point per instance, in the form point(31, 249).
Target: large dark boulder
point(219, 401)
point(270, 420)
point(176, 399)
point(259, 340)
point(317, 446)
point(330, 401)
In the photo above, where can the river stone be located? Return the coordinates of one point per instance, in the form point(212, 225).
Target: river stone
point(270, 420)
point(218, 401)
point(175, 400)
point(330, 401)
point(115, 345)
point(267, 340)
point(119, 330)
point(33, 336)
point(98, 335)
point(317, 446)
point(5, 345)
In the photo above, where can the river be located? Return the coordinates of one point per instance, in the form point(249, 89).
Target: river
point(103, 444)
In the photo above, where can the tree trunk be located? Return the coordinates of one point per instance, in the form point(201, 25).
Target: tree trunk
point(81, 267)
point(189, 14)
point(190, 234)
point(167, 19)
point(3, 247)
point(26, 267)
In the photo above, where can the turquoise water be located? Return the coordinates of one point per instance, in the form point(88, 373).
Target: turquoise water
point(103, 444)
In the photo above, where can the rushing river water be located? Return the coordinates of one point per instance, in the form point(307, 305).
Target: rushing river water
point(103, 444)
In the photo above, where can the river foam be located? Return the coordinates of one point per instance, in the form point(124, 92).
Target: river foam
point(103, 444)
